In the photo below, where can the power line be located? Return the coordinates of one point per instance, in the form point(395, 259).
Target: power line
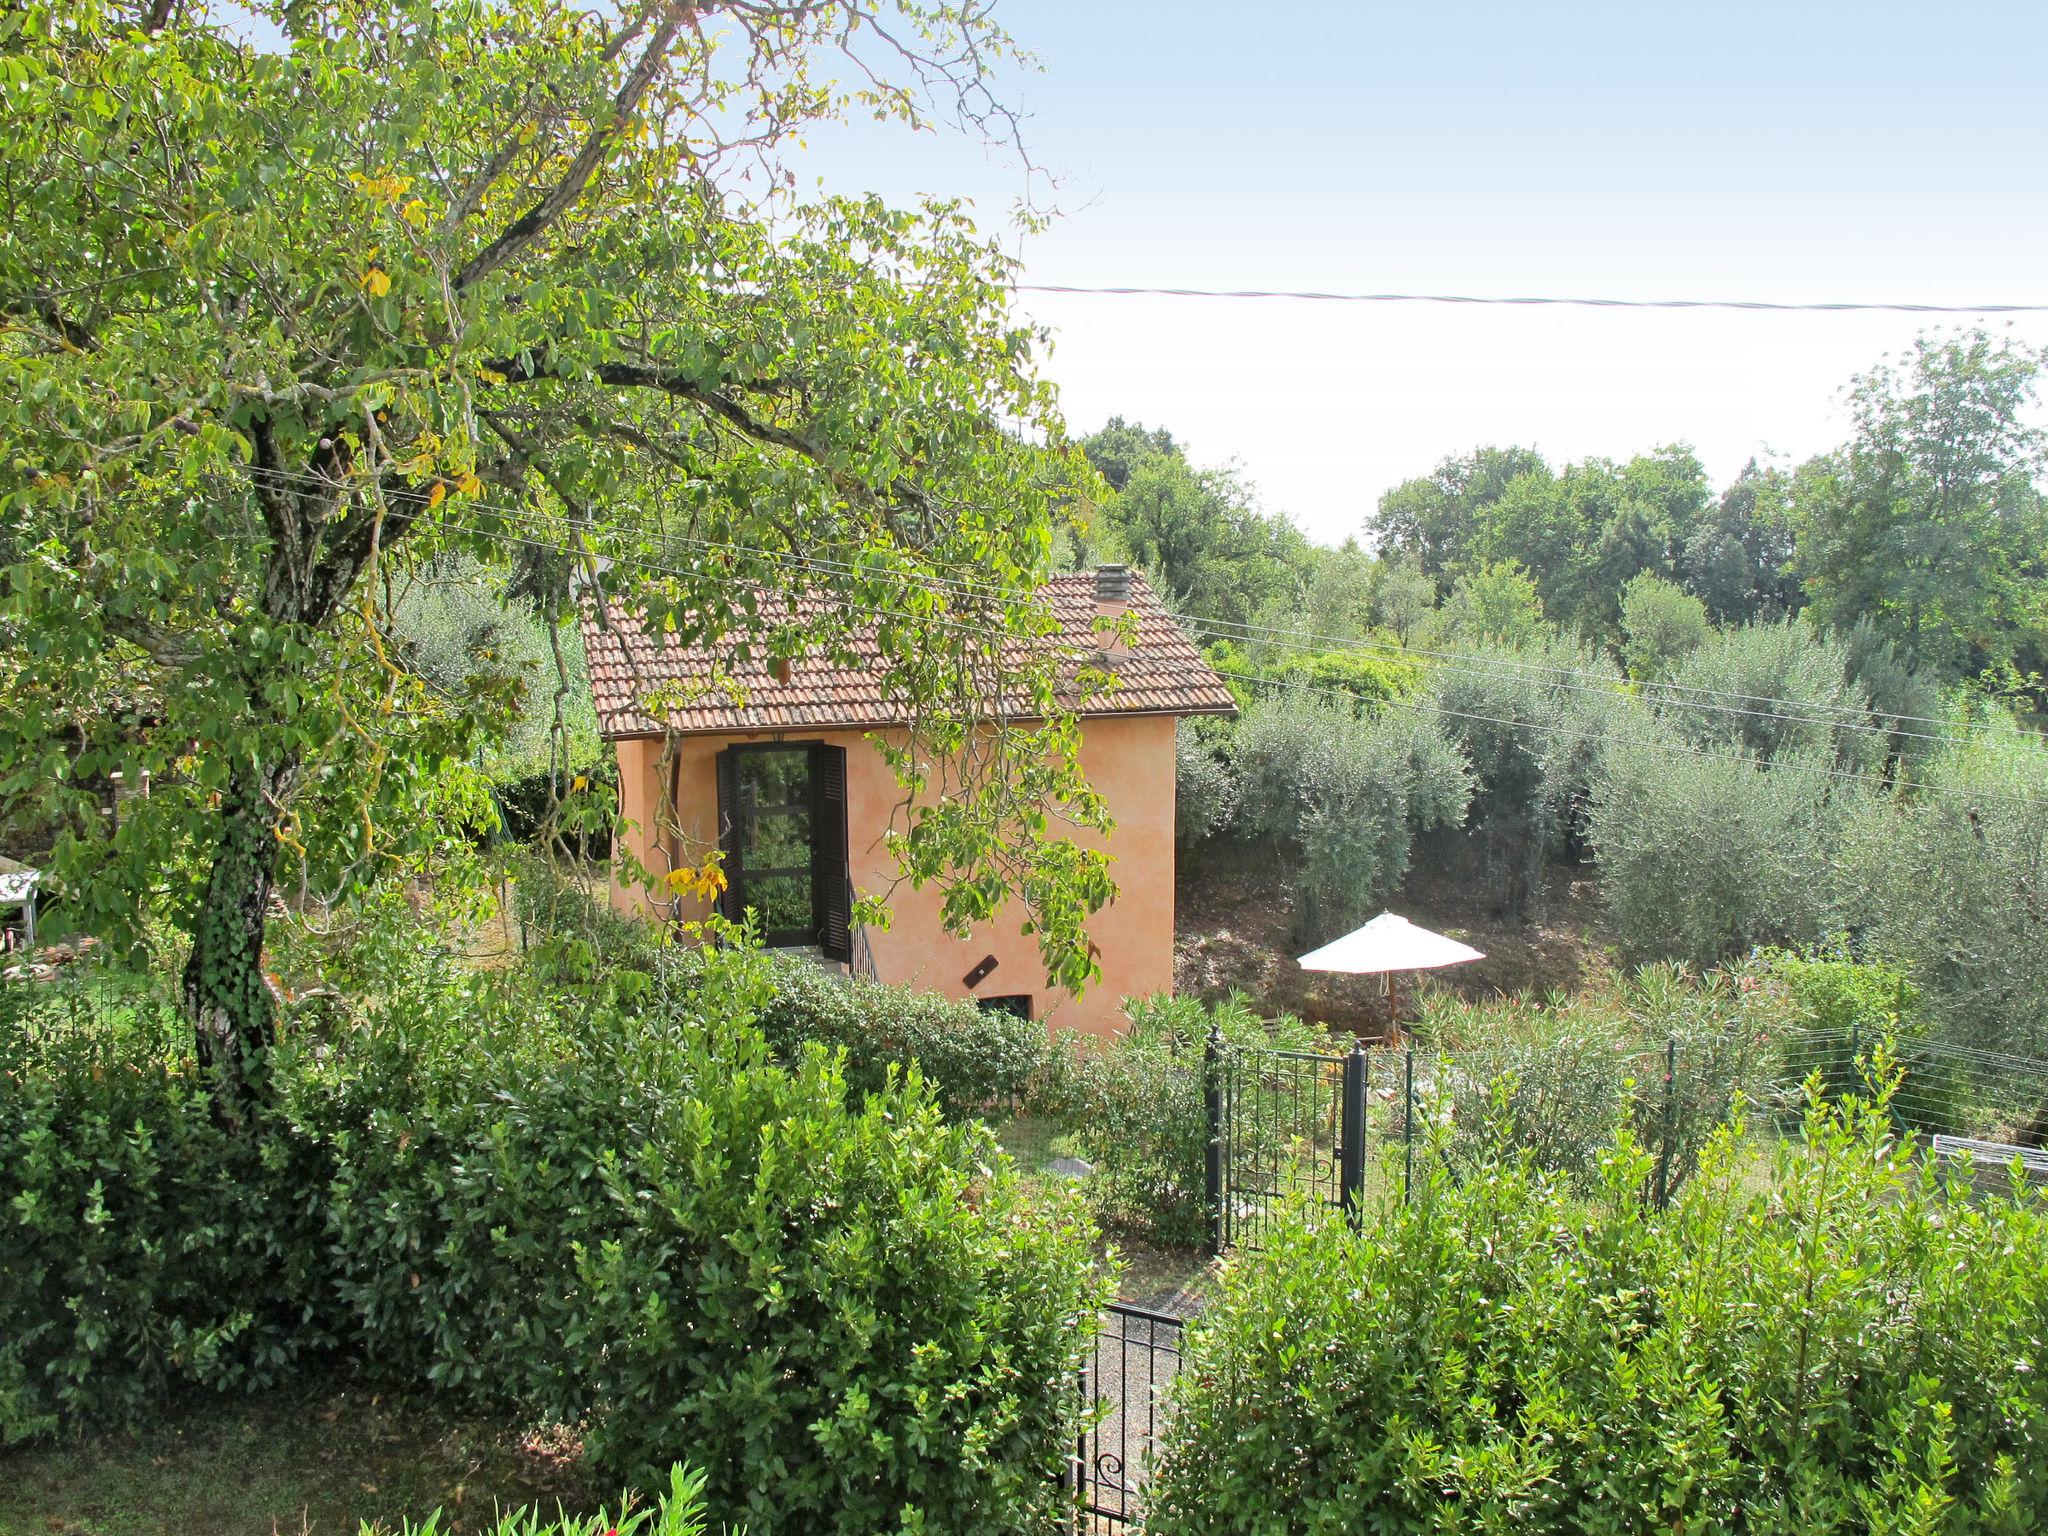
point(1575, 679)
point(1763, 306)
point(1841, 717)
point(942, 586)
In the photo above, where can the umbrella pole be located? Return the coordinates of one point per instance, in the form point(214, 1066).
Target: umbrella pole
point(1393, 1012)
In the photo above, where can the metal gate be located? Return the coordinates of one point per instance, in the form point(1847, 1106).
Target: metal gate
point(1281, 1124)
point(1128, 1370)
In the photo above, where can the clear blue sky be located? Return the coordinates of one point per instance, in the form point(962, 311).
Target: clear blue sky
point(1789, 151)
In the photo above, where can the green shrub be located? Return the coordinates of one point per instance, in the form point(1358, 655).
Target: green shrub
point(1947, 881)
point(848, 1312)
point(1532, 723)
point(1841, 1346)
point(1662, 624)
point(973, 1059)
point(1205, 788)
point(1135, 1103)
point(1347, 795)
point(1766, 690)
point(1553, 1079)
point(1841, 1009)
point(678, 1512)
point(145, 1247)
point(571, 932)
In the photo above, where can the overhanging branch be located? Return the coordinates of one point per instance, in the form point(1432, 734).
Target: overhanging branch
point(597, 144)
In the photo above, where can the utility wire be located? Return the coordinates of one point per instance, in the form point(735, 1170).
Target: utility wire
point(943, 587)
point(1683, 696)
point(1576, 680)
point(1763, 306)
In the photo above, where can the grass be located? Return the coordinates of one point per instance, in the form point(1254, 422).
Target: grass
point(313, 1462)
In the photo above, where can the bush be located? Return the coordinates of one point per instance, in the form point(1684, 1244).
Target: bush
point(1947, 881)
point(1553, 1079)
point(1205, 789)
point(1662, 623)
point(1135, 1104)
point(1532, 724)
point(1765, 690)
point(1843, 1346)
point(572, 933)
point(973, 1059)
point(849, 1312)
point(1347, 795)
point(146, 1248)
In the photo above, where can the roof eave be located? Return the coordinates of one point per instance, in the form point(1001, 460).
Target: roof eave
point(1178, 712)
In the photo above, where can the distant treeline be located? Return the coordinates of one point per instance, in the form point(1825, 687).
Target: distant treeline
point(1929, 525)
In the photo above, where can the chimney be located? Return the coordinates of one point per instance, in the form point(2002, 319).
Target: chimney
point(1112, 602)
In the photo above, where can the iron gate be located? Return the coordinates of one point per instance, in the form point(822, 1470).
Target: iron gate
point(1281, 1123)
point(1128, 1370)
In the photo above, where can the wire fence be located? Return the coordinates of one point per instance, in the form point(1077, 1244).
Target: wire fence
point(1340, 1130)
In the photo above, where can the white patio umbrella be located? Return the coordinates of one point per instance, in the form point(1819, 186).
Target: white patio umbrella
point(1388, 943)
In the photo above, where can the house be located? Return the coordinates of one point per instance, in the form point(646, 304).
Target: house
point(784, 774)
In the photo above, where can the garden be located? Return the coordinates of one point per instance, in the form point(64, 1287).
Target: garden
point(712, 1228)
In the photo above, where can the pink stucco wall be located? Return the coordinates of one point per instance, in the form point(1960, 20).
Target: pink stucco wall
point(1130, 762)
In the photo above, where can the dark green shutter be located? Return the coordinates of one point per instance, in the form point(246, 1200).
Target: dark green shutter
point(732, 904)
point(831, 890)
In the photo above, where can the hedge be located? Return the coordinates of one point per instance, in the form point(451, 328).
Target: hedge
point(972, 1058)
point(1836, 1343)
point(846, 1310)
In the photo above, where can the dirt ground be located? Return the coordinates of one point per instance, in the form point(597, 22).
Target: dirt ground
point(1235, 933)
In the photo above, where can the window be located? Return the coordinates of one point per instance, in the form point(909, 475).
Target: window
point(1018, 1003)
point(782, 823)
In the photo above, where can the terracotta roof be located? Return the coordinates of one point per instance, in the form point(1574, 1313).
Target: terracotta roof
point(1161, 674)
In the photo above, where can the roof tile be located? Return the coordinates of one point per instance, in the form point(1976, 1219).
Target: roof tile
point(1161, 673)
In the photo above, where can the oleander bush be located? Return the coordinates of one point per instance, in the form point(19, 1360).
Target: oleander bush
point(973, 1059)
point(1835, 1342)
point(849, 1312)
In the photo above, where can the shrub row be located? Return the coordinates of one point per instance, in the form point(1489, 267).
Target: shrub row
point(845, 1309)
point(974, 1059)
point(1838, 1343)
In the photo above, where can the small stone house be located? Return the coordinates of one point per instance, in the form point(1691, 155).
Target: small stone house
point(783, 773)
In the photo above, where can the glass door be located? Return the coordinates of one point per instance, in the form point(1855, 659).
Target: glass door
point(775, 842)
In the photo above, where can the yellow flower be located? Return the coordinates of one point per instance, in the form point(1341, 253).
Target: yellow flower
point(581, 781)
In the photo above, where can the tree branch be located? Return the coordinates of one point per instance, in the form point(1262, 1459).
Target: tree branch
point(725, 407)
point(530, 225)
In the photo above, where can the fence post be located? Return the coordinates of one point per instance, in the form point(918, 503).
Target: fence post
point(1212, 1167)
point(1407, 1123)
point(1664, 1149)
point(1351, 1171)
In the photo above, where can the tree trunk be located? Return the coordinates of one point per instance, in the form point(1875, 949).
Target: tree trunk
point(225, 994)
